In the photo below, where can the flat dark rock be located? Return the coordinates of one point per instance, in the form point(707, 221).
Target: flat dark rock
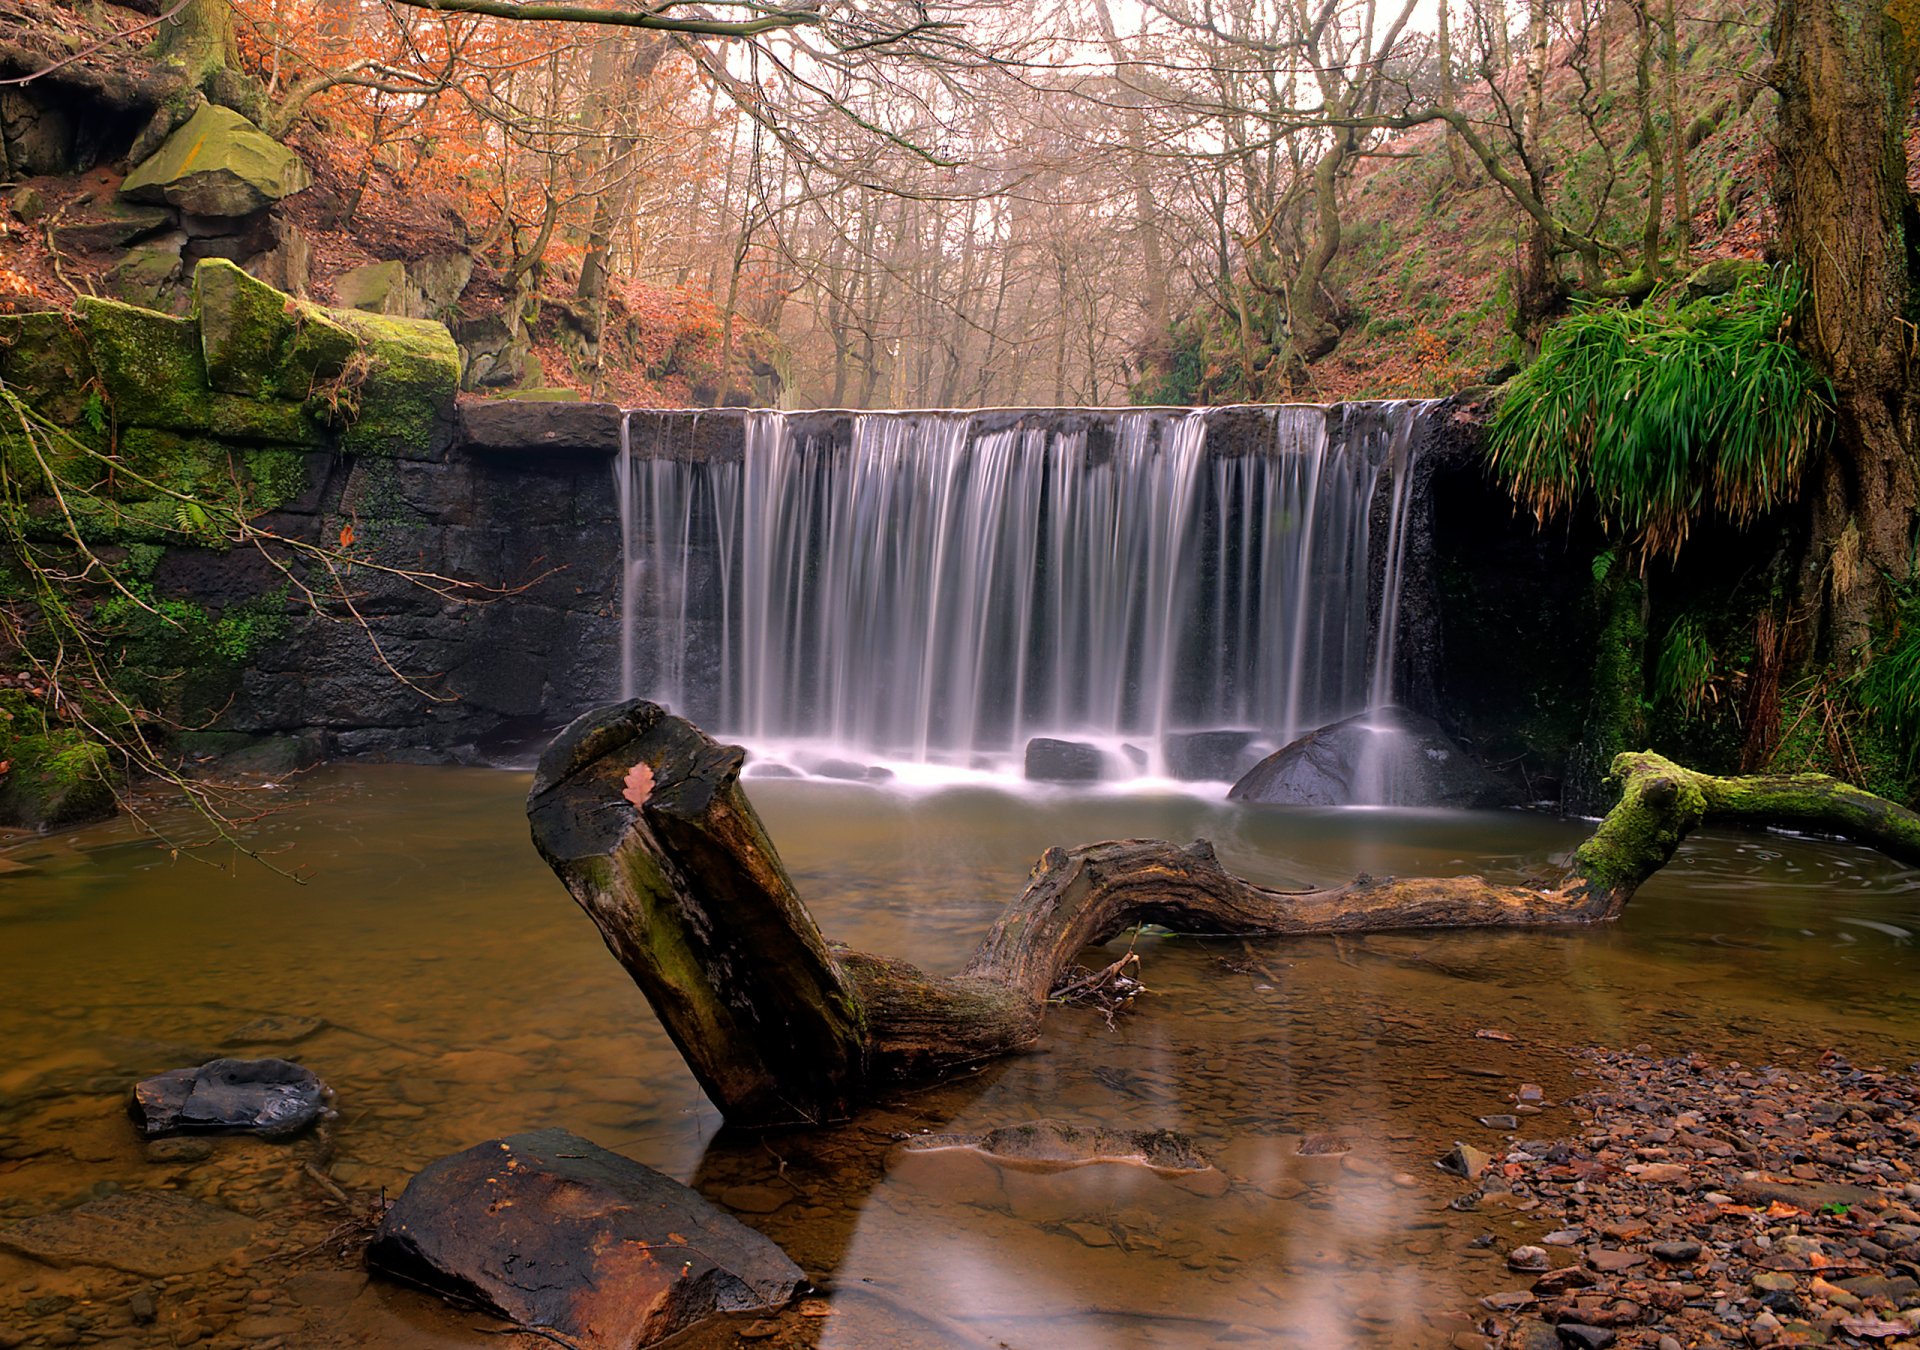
point(507, 426)
point(551, 1231)
point(1052, 1144)
point(1384, 757)
point(145, 1232)
point(1218, 756)
point(272, 1098)
point(1054, 761)
point(1810, 1196)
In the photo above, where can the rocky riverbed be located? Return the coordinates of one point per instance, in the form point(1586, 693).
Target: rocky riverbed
point(1708, 1203)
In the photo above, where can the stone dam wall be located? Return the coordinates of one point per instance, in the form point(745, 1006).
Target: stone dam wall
point(348, 429)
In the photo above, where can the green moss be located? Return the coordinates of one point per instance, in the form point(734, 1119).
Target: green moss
point(263, 345)
point(43, 359)
point(244, 328)
point(275, 477)
point(401, 394)
point(1616, 720)
point(317, 353)
point(55, 778)
point(150, 365)
point(1645, 826)
point(253, 419)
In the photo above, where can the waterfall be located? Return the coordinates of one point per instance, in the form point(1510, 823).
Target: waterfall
point(935, 588)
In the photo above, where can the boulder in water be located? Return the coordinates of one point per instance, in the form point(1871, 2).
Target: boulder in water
point(1200, 756)
point(549, 1230)
point(272, 1098)
point(1053, 761)
point(1383, 757)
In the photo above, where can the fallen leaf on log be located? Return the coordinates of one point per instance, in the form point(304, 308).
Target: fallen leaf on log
point(638, 785)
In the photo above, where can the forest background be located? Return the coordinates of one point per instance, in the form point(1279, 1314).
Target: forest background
point(1678, 237)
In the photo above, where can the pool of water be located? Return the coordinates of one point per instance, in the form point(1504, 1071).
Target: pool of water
point(449, 990)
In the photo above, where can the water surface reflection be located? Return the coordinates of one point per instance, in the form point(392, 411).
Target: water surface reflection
point(460, 994)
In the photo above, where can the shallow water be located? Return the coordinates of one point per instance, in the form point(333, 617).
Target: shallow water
point(463, 995)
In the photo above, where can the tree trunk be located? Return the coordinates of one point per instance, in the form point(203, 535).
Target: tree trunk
point(1536, 289)
point(1676, 137)
point(1449, 96)
point(643, 818)
point(1844, 71)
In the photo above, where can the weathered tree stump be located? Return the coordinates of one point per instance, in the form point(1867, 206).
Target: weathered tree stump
point(642, 815)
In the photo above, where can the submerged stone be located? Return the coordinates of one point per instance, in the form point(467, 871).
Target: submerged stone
point(1383, 757)
point(273, 1098)
point(1053, 1144)
point(145, 1232)
point(552, 1231)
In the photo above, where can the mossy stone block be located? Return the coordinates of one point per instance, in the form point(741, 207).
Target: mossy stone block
point(261, 344)
point(549, 394)
point(1723, 276)
point(149, 274)
point(376, 288)
point(411, 373)
point(193, 464)
point(245, 328)
point(218, 164)
point(150, 363)
point(275, 477)
point(260, 419)
point(59, 778)
point(318, 353)
point(43, 359)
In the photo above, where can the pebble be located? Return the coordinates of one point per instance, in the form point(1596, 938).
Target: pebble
point(1757, 1207)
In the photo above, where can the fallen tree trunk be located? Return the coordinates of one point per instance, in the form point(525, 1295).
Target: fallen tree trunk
point(643, 817)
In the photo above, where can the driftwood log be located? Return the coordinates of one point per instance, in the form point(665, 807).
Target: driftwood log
point(642, 815)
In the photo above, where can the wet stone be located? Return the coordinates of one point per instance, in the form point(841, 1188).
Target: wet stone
point(272, 1098)
point(1465, 1161)
point(175, 1151)
point(550, 1230)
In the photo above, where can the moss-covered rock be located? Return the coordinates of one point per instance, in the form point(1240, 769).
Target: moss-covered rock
point(317, 354)
point(275, 477)
point(260, 419)
point(44, 360)
point(376, 288)
point(245, 328)
point(1723, 276)
point(149, 275)
point(218, 164)
point(54, 779)
point(401, 386)
point(150, 364)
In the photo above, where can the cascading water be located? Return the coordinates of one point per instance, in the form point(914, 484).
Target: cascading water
point(935, 589)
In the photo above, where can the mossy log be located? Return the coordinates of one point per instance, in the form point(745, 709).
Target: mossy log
point(643, 817)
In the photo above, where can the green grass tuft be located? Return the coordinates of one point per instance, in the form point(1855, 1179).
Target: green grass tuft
point(1662, 415)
